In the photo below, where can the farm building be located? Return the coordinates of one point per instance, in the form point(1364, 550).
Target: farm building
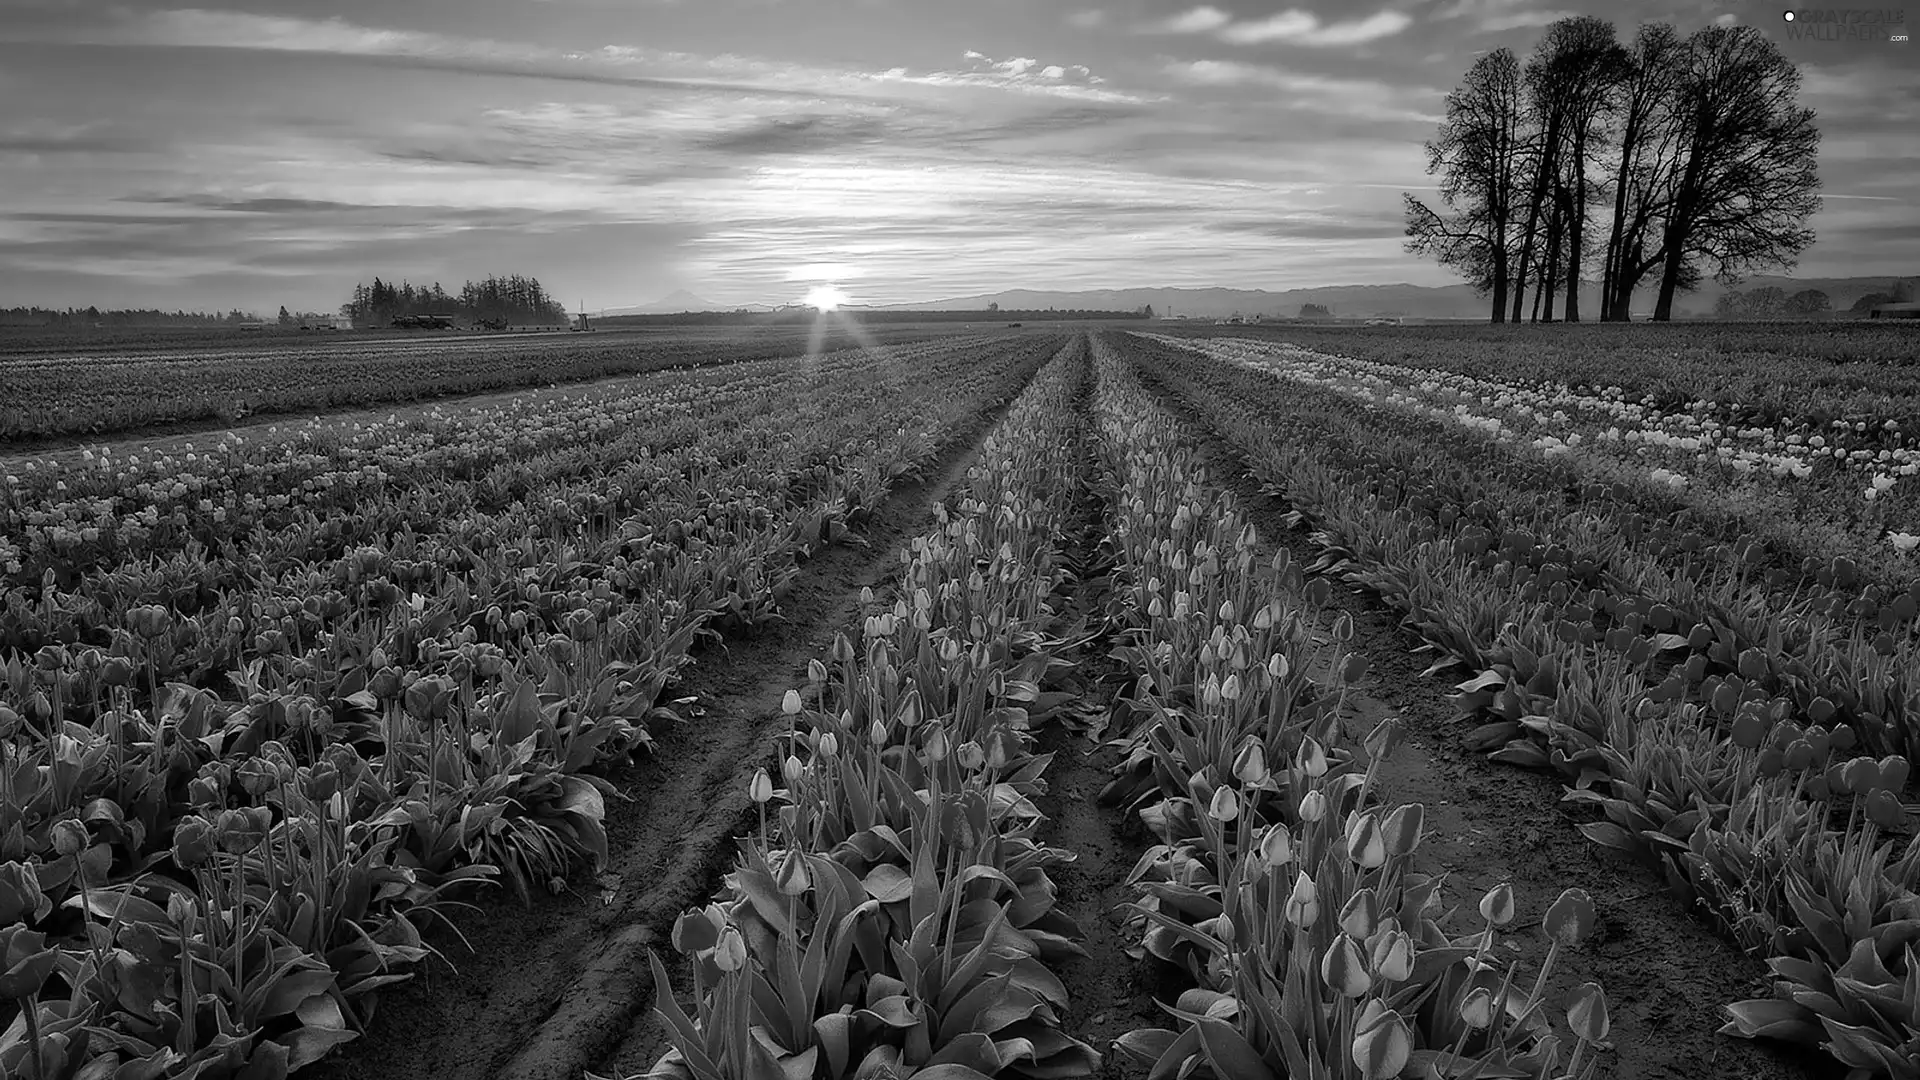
point(1905, 310)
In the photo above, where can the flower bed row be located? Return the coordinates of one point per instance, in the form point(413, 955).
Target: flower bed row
point(893, 914)
point(1282, 886)
point(193, 883)
point(1755, 807)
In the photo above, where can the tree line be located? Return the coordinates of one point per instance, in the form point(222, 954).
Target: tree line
point(498, 300)
point(92, 316)
point(1697, 145)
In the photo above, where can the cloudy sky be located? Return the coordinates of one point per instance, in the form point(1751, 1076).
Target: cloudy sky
point(274, 151)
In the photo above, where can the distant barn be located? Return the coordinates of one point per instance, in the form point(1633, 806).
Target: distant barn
point(1904, 310)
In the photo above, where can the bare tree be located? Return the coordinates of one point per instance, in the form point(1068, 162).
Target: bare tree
point(1748, 178)
point(1475, 155)
point(1647, 146)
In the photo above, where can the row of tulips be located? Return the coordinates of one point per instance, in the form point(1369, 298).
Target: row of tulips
point(1282, 887)
point(892, 914)
point(1756, 808)
point(202, 885)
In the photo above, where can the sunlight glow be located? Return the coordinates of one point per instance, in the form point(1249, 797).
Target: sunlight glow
point(824, 298)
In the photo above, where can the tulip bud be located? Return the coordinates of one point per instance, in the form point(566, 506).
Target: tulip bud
point(790, 704)
point(1403, 827)
point(697, 930)
point(1277, 666)
point(1884, 809)
point(1363, 908)
point(1313, 806)
point(1343, 969)
point(1250, 765)
point(1381, 1042)
point(1570, 918)
point(760, 788)
point(1225, 805)
point(69, 837)
point(1303, 904)
point(730, 954)
point(1587, 1015)
point(910, 710)
point(1497, 906)
point(1311, 759)
point(790, 770)
point(816, 672)
point(1276, 846)
point(1365, 846)
point(877, 732)
point(971, 756)
point(1477, 1010)
point(1893, 771)
point(934, 743)
point(1393, 956)
point(791, 875)
point(826, 744)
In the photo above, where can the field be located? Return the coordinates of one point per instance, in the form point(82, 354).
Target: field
point(1125, 701)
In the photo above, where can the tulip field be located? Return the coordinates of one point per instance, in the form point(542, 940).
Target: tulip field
point(1069, 755)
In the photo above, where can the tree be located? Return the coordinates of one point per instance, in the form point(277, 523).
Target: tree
point(1319, 311)
point(1902, 291)
point(993, 305)
point(286, 317)
point(1870, 301)
point(1747, 179)
point(1570, 81)
point(1647, 146)
point(1809, 302)
point(1475, 156)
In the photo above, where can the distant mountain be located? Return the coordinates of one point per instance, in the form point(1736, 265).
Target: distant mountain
point(1418, 301)
point(677, 301)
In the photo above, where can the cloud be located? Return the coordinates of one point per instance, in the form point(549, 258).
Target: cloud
point(1195, 21)
point(1338, 96)
point(1294, 27)
point(813, 134)
point(1020, 74)
point(1495, 16)
point(1087, 19)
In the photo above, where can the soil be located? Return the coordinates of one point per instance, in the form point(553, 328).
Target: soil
point(1666, 974)
point(562, 986)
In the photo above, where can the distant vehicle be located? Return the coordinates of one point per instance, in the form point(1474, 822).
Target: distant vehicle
point(1013, 326)
point(1901, 310)
point(1383, 322)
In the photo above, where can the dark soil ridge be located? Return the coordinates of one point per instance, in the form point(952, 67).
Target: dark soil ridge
point(552, 989)
point(1666, 975)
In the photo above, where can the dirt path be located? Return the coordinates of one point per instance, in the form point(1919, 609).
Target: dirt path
point(1666, 975)
point(549, 991)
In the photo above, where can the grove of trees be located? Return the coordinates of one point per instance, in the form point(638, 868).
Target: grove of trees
point(115, 317)
point(1772, 302)
point(511, 299)
point(1696, 146)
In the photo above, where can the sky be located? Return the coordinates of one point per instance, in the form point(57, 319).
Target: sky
point(269, 152)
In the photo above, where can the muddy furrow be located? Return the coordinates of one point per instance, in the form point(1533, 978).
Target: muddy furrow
point(1108, 992)
point(1666, 976)
point(552, 989)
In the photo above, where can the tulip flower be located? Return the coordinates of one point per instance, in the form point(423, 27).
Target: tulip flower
point(1476, 1011)
point(1403, 828)
point(1344, 969)
point(1496, 907)
point(1313, 806)
point(20, 895)
point(1381, 1042)
point(790, 704)
point(791, 770)
point(697, 930)
point(1587, 1015)
point(1250, 765)
point(1311, 759)
point(1225, 805)
point(1393, 956)
point(1366, 848)
point(1362, 909)
point(730, 954)
point(1570, 918)
point(1276, 846)
point(760, 788)
point(935, 744)
point(1303, 904)
point(971, 756)
point(791, 875)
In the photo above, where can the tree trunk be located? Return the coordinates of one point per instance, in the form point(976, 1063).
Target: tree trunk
point(1576, 220)
point(1550, 279)
point(1500, 281)
point(1542, 170)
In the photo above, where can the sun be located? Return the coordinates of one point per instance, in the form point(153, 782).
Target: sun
point(824, 297)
